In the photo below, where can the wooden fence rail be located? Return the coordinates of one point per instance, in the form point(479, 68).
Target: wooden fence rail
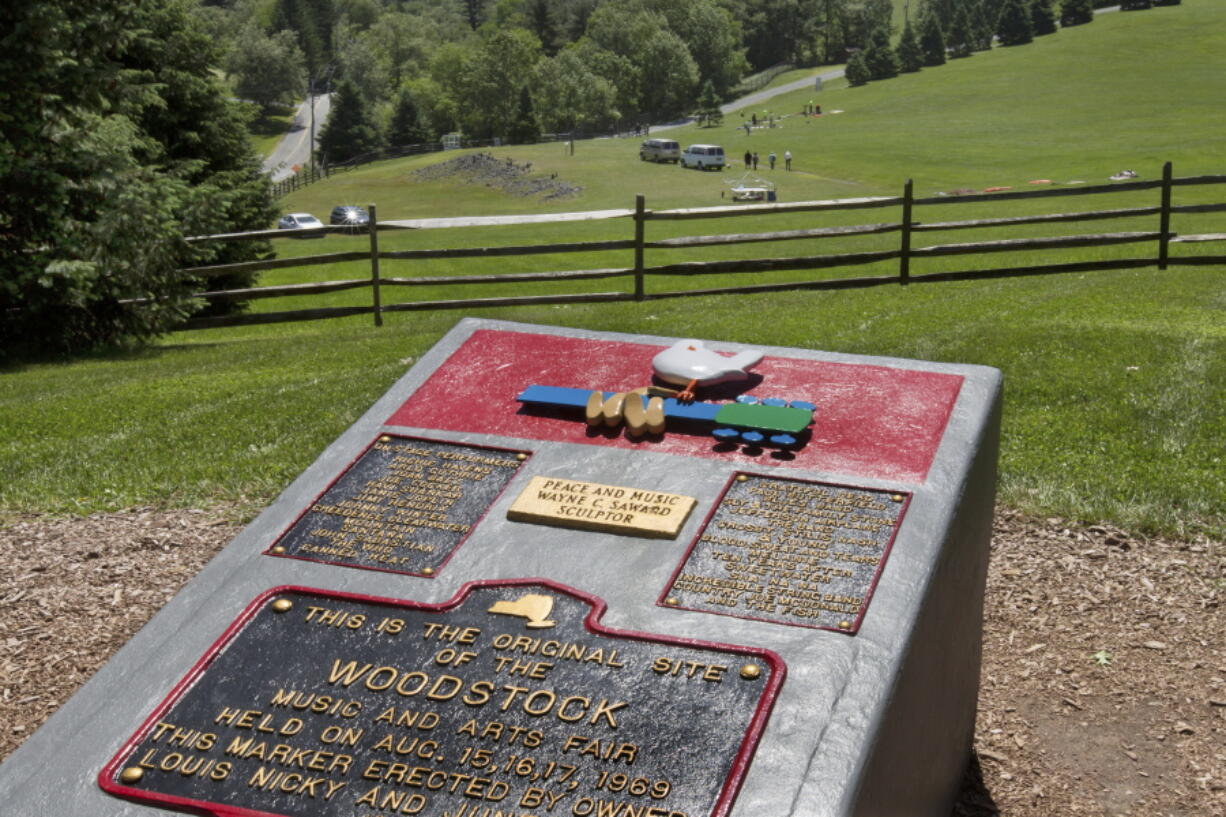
point(908, 227)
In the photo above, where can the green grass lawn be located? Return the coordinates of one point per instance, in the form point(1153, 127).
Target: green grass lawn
point(1114, 381)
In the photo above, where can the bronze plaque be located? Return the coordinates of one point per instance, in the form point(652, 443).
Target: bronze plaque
point(789, 551)
point(509, 699)
point(404, 506)
point(610, 508)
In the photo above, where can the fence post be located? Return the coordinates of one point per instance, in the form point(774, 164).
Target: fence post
point(1164, 224)
point(904, 256)
point(639, 223)
point(374, 265)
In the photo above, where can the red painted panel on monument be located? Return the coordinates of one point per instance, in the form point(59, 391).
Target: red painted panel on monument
point(871, 421)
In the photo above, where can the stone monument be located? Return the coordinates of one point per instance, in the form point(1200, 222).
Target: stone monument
point(535, 580)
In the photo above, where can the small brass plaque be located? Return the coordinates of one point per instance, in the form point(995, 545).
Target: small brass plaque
point(405, 505)
point(789, 551)
point(609, 508)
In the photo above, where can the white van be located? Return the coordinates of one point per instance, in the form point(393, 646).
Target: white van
point(660, 150)
point(703, 157)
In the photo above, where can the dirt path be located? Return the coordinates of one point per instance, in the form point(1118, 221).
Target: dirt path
point(1103, 688)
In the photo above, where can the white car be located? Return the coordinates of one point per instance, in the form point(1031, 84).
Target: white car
point(703, 157)
point(300, 221)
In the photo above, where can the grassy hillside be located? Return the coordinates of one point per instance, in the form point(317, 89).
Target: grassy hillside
point(1115, 382)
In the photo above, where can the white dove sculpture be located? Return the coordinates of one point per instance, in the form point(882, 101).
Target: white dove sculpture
point(690, 364)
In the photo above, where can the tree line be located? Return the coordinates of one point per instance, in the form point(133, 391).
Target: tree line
point(409, 71)
point(955, 29)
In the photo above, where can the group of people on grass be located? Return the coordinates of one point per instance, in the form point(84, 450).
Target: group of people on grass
point(751, 160)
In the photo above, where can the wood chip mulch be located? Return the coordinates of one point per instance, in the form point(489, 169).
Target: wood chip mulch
point(1103, 689)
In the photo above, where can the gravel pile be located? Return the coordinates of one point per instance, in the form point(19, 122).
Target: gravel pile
point(1103, 688)
point(501, 174)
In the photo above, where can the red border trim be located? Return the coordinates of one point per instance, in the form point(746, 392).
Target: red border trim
point(872, 585)
point(349, 467)
point(108, 777)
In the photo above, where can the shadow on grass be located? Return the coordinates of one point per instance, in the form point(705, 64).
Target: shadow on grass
point(275, 121)
point(20, 359)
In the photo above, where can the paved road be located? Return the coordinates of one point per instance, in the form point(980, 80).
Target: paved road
point(758, 97)
point(294, 148)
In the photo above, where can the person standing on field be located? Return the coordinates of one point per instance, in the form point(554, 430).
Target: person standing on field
point(748, 159)
point(755, 160)
point(787, 160)
point(771, 159)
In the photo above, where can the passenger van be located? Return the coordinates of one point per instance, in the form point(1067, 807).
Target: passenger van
point(703, 157)
point(660, 150)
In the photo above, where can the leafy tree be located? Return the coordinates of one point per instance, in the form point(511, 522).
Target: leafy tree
point(709, 114)
point(780, 30)
point(437, 93)
point(910, 55)
point(268, 69)
point(620, 72)
point(569, 96)
point(932, 39)
point(405, 127)
point(350, 130)
point(399, 46)
point(1042, 17)
point(657, 64)
point(491, 78)
point(358, 60)
point(857, 70)
point(1076, 12)
point(712, 37)
point(672, 74)
point(1016, 26)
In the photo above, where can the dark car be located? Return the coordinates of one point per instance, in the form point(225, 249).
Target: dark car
point(349, 215)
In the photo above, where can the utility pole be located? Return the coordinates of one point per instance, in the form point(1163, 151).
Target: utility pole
point(311, 100)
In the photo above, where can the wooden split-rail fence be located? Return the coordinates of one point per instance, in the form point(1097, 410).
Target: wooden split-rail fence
point(1156, 246)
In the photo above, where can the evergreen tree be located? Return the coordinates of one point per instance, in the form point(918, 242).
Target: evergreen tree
point(1076, 12)
point(910, 56)
point(1042, 17)
point(880, 58)
point(709, 114)
point(349, 131)
point(932, 39)
point(857, 70)
point(982, 30)
point(524, 129)
point(540, 20)
point(1016, 26)
point(116, 142)
point(960, 36)
point(311, 21)
point(406, 127)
